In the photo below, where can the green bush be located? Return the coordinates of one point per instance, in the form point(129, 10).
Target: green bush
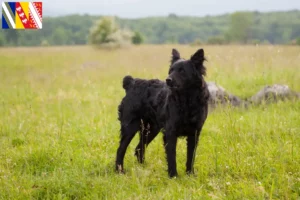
point(216, 40)
point(106, 33)
point(298, 41)
point(197, 42)
point(137, 38)
point(1, 41)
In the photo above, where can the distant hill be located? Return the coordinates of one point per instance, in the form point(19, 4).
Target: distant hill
point(272, 27)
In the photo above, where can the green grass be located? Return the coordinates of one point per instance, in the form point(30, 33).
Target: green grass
point(59, 130)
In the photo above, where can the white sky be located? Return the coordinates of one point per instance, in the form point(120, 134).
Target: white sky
point(144, 8)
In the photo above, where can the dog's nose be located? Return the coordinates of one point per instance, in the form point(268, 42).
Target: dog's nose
point(169, 81)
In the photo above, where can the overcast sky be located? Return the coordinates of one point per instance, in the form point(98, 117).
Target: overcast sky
point(145, 8)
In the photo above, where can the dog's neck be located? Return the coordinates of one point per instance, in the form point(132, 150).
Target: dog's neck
point(191, 88)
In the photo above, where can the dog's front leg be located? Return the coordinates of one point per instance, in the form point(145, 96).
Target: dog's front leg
point(170, 146)
point(192, 142)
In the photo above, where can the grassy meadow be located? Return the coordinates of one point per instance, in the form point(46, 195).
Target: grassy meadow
point(59, 131)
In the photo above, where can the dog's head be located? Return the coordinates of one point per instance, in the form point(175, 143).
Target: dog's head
point(186, 73)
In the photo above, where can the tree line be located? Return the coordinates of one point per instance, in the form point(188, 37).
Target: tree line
point(238, 27)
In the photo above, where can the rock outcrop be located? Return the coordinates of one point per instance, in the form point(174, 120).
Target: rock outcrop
point(274, 93)
point(268, 94)
point(219, 96)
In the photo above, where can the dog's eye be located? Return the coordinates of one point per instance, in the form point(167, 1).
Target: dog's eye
point(181, 70)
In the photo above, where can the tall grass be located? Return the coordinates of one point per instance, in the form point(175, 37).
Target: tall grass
point(59, 130)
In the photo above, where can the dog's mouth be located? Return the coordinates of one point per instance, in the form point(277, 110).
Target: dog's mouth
point(172, 86)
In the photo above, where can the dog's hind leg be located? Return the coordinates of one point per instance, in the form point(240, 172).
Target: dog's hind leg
point(127, 133)
point(192, 142)
point(147, 133)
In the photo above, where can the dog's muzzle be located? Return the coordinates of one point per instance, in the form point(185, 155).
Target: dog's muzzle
point(169, 82)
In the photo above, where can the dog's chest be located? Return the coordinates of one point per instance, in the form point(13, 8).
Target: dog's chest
point(187, 120)
point(184, 118)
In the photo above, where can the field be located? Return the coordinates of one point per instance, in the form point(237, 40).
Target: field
point(59, 130)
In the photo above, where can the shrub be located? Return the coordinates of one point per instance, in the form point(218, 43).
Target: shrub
point(137, 38)
point(197, 42)
point(106, 33)
point(216, 40)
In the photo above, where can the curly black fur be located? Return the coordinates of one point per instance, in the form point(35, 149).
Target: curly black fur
point(177, 107)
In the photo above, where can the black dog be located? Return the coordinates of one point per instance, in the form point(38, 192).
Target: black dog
point(178, 107)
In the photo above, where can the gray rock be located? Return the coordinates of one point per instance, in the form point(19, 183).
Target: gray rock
point(219, 96)
point(274, 93)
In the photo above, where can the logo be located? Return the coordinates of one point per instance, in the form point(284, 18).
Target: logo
point(22, 15)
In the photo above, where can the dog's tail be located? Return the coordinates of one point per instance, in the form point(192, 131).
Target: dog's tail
point(127, 82)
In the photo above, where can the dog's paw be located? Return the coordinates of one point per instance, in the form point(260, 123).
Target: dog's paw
point(173, 175)
point(119, 169)
point(139, 156)
point(191, 173)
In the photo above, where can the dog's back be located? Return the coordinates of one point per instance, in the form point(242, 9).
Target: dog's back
point(142, 99)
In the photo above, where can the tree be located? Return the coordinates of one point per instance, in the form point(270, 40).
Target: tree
point(59, 36)
point(298, 41)
point(216, 40)
point(2, 42)
point(103, 28)
point(137, 38)
point(44, 43)
point(107, 33)
point(240, 27)
point(172, 16)
point(196, 42)
point(275, 27)
point(12, 37)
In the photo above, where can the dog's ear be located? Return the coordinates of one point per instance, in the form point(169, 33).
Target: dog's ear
point(175, 56)
point(198, 59)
